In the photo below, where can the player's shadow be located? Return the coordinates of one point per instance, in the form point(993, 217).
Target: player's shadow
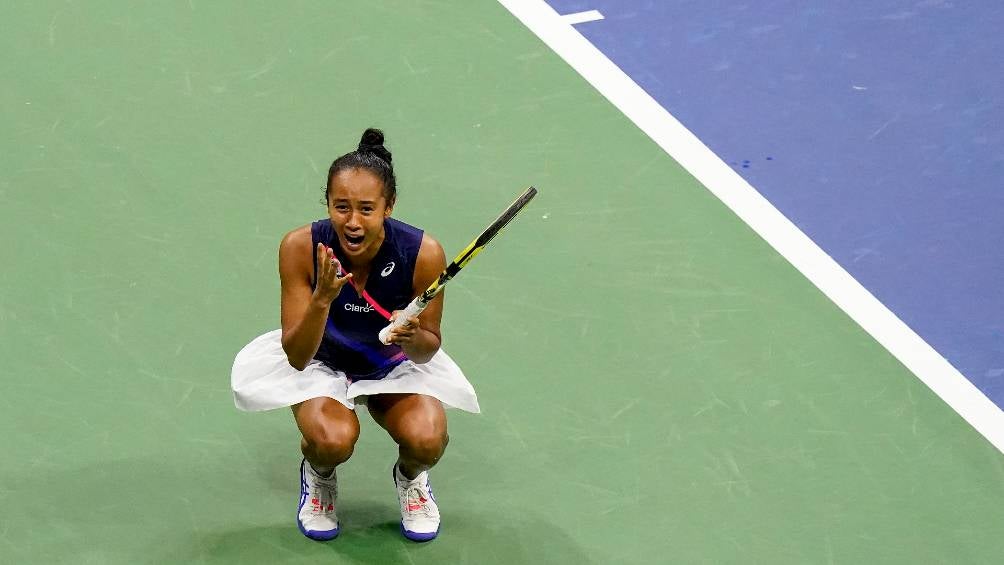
point(369, 537)
point(370, 530)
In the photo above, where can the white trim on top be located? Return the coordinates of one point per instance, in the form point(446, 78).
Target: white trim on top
point(582, 17)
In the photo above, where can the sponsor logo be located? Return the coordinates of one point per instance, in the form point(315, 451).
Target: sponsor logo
point(355, 308)
point(387, 270)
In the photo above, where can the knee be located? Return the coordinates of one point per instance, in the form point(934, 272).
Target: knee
point(425, 445)
point(330, 444)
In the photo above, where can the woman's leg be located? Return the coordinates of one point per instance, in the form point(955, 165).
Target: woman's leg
point(417, 423)
point(329, 431)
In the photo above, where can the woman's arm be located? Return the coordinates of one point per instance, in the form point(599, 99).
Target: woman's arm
point(304, 310)
point(421, 338)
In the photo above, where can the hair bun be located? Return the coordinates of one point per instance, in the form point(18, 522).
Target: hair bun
point(371, 136)
point(372, 142)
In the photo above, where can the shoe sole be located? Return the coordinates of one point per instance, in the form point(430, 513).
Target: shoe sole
point(418, 536)
point(315, 535)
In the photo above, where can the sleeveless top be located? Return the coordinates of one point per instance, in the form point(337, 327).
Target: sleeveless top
point(350, 343)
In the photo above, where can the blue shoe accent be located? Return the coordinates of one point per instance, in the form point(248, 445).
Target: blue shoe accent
point(419, 536)
point(317, 535)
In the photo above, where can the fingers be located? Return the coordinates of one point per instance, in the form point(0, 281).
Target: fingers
point(410, 322)
point(330, 276)
point(324, 257)
point(340, 276)
point(336, 265)
point(400, 336)
point(405, 332)
point(319, 258)
point(330, 262)
point(329, 267)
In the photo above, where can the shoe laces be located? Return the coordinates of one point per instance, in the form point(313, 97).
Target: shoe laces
point(322, 493)
point(416, 500)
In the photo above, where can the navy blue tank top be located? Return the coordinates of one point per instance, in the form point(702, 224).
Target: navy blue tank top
point(350, 343)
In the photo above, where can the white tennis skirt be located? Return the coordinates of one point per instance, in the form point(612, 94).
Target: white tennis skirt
point(263, 379)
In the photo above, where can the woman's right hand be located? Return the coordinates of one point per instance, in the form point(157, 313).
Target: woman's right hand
point(329, 283)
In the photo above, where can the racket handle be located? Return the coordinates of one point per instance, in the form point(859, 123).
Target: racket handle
point(414, 308)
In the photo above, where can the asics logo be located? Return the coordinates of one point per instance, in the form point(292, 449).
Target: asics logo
point(355, 308)
point(387, 270)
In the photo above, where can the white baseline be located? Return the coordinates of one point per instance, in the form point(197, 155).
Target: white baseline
point(846, 292)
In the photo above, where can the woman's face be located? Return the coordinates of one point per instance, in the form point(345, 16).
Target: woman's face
point(357, 208)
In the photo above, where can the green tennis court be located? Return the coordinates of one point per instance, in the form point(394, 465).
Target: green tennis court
point(658, 384)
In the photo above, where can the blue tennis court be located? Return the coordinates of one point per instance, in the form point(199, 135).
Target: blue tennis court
point(873, 126)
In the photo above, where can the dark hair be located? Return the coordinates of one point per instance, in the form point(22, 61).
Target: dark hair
point(372, 156)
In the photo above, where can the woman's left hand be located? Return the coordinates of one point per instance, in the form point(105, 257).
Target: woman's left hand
point(404, 334)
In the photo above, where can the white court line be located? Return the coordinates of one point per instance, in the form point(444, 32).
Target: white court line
point(683, 146)
point(582, 17)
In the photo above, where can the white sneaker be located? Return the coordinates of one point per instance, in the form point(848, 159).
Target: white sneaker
point(316, 516)
point(419, 513)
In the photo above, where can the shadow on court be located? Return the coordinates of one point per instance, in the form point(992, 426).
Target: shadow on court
point(369, 537)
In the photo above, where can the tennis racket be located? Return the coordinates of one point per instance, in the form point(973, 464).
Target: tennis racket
point(416, 306)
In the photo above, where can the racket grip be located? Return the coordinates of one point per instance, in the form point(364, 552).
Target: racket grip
point(414, 308)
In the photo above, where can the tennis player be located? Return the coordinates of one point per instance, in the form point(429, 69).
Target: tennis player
point(343, 278)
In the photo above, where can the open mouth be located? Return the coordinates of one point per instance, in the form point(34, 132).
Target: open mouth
point(354, 240)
